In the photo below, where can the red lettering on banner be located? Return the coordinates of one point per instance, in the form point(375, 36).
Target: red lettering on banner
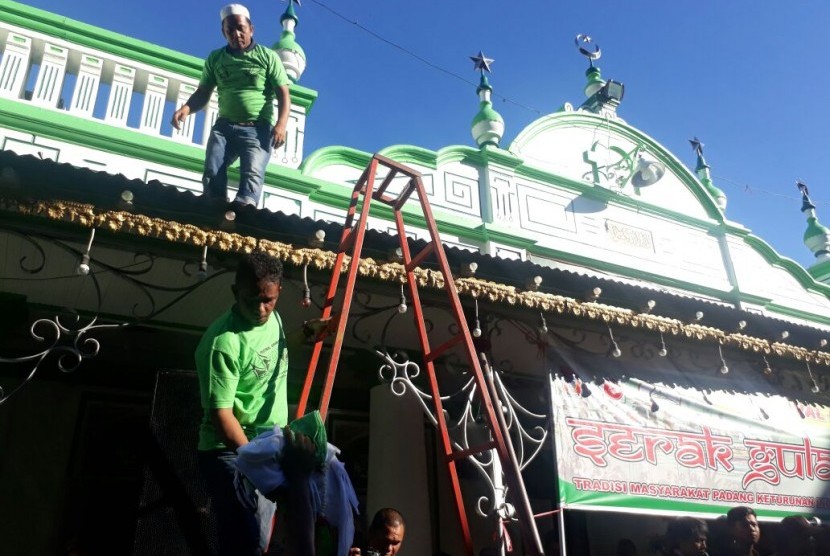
point(768, 461)
point(635, 444)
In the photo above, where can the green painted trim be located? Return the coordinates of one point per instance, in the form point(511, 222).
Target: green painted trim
point(94, 134)
point(496, 155)
point(505, 236)
point(288, 41)
point(116, 44)
point(334, 155)
point(819, 270)
point(797, 313)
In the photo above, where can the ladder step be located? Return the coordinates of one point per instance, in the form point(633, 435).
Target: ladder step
point(449, 344)
point(423, 254)
point(471, 451)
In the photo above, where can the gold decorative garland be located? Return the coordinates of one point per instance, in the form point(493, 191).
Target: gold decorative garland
point(88, 216)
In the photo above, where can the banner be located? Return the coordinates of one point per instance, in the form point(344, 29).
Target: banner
point(652, 448)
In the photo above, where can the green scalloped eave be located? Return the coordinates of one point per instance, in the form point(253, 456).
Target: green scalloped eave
point(796, 270)
point(54, 25)
point(405, 154)
point(815, 228)
point(338, 196)
point(663, 155)
point(123, 141)
point(487, 114)
point(288, 41)
point(653, 504)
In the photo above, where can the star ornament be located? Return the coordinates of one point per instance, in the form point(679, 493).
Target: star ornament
point(482, 62)
point(697, 146)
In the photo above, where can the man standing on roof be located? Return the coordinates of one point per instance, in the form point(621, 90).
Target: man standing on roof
point(247, 77)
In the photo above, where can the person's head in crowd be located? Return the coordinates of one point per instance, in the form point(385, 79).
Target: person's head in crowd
point(686, 536)
point(386, 532)
point(743, 528)
point(796, 536)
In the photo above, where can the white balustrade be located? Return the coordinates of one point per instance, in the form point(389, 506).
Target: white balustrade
point(59, 70)
point(15, 65)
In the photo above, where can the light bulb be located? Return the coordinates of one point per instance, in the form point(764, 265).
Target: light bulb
point(616, 352)
point(543, 329)
point(815, 389)
point(663, 352)
point(724, 369)
point(402, 308)
point(476, 331)
point(654, 407)
point(83, 266)
point(767, 370)
point(202, 274)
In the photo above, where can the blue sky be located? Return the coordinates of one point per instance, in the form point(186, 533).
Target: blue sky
point(748, 78)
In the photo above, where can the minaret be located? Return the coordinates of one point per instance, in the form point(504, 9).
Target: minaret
point(816, 237)
point(705, 177)
point(488, 125)
point(291, 53)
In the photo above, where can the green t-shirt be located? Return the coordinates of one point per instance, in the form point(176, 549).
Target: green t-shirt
point(246, 82)
point(244, 367)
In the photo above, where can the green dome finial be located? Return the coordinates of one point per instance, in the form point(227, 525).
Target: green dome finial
point(817, 235)
point(705, 176)
point(290, 52)
point(487, 125)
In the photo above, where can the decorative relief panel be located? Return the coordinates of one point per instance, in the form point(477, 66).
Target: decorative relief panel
point(503, 200)
point(544, 211)
point(460, 191)
point(629, 237)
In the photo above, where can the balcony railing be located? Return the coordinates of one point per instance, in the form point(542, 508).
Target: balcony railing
point(69, 67)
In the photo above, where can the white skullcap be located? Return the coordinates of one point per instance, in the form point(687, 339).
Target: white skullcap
point(234, 9)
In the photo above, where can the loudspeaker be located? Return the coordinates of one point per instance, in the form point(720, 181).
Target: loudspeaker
point(174, 515)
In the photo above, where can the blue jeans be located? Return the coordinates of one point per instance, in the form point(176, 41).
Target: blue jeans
point(239, 530)
point(251, 144)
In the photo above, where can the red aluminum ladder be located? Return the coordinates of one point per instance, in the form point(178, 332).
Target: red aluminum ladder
point(352, 241)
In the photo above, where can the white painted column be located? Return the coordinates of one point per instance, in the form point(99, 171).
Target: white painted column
point(398, 466)
point(49, 81)
point(153, 109)
point(121, 93)
point(185, 134)
point(86, 86)
point(15, 65)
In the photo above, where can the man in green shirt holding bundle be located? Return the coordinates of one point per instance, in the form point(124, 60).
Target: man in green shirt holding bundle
point(248, 77)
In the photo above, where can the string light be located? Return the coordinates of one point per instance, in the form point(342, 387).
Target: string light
point(723, 368)
point(662, 352)
point(654, 407)
point(402, 307)
point(767, 368)
point(202, 274)
point(815, 388)
point(543, 326)
point(615, 348)
point(477, 330)
point(306, 302)
point(83, 266)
